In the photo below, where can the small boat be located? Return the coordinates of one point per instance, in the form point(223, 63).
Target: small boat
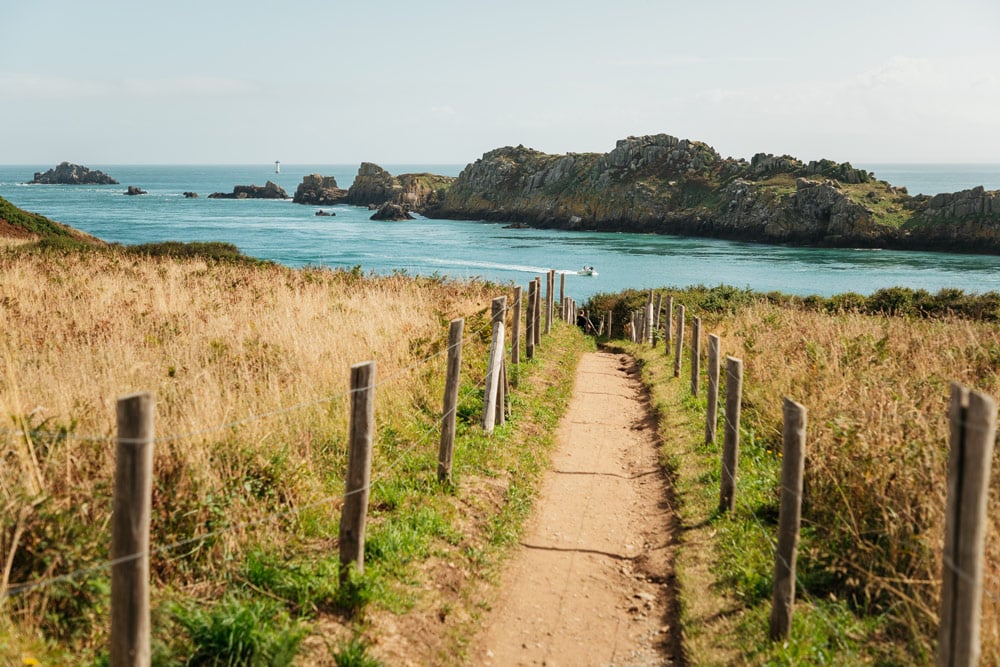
point(586, 271)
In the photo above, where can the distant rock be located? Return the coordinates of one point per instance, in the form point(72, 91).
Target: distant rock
point(270, 190)
point(191, 195)
point(325, 214)
point(72, 174)
point(374, 186)
point(517, 225)
point(135, 190)
point(391, 211)
point(317, 190)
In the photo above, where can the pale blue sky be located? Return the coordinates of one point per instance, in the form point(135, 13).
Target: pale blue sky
point(423, 82)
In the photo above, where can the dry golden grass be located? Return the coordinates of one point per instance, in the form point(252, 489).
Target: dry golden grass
point(250, 369)
point(877, 391)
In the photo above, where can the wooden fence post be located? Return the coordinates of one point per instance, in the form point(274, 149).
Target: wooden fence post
point(731, 441)
point(668, 325)
point(973, 432)
point(538, 311)
point(647, 327)
point(609, 324)
point(354, 512)
point(562, 289)
point(656, 309)
point(530, 322)
point(452, 380)
point(130, 531)
point(712, 414)
point(679, 343)
point(695, 354)
point(793, 460)
point(550, 285)
point(515, 333)
point(499, 308)
point(503, 393)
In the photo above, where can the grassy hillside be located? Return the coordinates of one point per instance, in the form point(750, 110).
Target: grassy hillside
point(19, 224)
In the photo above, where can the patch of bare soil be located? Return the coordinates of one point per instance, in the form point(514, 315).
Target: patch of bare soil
point(592, 583)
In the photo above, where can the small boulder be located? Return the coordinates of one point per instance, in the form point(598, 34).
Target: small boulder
point(323, 213)
point(392, 212)
point(135, 190)
point(191, 195)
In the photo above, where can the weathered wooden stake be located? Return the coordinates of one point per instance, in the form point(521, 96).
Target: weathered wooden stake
point(793, 460)
point(451, 383)
point(712, 414)
point(731, 439)
point(562, 288)
point(530, 322)
point(500, 417)
point(550, 297)
point(668, 325)
point(973, 433)
point(354, 513)
point(679, 341)
point(493, 369)
point(538, 311)
point(515, 333)
point(130, 531)
point(695, 354)
point(647, 324)
point(656, 309)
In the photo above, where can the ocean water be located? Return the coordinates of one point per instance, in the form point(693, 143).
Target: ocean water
point(293, 235)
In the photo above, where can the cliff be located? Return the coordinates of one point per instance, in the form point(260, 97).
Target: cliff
point(665, 185)
point(72, 174)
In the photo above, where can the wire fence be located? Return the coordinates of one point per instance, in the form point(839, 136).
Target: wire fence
point(19, 588)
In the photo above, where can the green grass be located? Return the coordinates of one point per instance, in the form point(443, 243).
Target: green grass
point(825, 630)
point(32, 223)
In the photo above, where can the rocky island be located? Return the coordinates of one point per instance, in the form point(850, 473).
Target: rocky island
point(373, 187)
point(72, 174)
point(269, 190)
point(665, 185)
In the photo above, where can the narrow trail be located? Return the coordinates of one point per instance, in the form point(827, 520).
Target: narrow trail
point(592, 581)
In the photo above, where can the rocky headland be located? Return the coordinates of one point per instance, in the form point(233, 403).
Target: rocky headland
point(317, 190)
point(269, 190)
point(72, 174)
point(665, 185)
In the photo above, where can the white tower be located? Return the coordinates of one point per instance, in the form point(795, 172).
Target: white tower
point(277, 167)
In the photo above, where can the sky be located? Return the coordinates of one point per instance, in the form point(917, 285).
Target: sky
point(331, 82)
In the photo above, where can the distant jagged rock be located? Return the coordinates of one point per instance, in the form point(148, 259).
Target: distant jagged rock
point(391, 211)
point(374, 186)
point(269, 190)
point(665, 185)
point(317, 190)
point(135, 190)
point(191, 195)
point(325, 214)
point(72, 174)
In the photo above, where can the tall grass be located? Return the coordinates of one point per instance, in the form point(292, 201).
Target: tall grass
point(877, 390)
point(249, 365)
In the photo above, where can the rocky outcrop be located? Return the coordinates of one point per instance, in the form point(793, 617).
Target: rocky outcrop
point(391, 211)
point(317, 190)
point(191, 195)
point(662, 184)
point(134, 190)
point(374, 186)
point(72, 174)
point(269, 190)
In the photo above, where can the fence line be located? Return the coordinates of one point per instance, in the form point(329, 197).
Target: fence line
point(24, 587)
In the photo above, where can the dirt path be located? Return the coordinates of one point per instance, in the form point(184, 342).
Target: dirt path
point(591, 583)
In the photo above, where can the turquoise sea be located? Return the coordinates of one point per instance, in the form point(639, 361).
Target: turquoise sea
point(292, 234)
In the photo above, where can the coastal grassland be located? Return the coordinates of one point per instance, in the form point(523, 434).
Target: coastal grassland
point(18, 224)
point(249, 363)
point(877, 388)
